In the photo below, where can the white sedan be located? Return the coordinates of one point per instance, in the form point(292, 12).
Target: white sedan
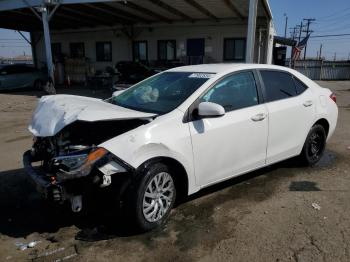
point(175, 133)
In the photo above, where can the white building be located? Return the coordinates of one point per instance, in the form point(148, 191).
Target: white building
point(151, 31)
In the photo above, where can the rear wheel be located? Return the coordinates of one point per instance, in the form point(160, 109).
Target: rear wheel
point(153, 197)
point(314, 145)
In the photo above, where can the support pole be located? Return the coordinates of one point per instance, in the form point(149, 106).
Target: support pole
point(285, 26)
point(47, 40)
point(33, 46)
point(269, 43)
point(253, 4)
point(259, 44)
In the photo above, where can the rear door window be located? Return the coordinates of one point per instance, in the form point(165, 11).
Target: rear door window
point(300, 87)
point(278, 85)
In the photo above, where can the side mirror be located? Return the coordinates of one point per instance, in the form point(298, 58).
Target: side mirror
point(209, 109)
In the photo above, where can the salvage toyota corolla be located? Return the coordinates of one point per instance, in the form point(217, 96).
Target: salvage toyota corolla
point(175, 133)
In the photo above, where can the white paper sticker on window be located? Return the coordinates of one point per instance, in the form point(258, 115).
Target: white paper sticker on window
point(201, 75)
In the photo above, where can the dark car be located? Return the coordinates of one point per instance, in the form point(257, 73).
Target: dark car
point(21, 76)
point(133, 72)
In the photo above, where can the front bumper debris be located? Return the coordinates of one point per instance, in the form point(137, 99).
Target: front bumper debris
point(42, 183)
point(72, 189)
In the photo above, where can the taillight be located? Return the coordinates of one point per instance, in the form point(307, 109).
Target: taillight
point(333, 97)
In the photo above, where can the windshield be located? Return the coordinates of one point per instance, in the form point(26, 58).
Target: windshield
point(161, 93)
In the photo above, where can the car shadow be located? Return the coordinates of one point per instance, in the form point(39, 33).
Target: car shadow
point(24, 212)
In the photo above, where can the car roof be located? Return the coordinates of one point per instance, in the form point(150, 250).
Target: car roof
point(224, 68)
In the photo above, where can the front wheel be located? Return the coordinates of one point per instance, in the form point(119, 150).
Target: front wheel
point(153, 197)
point(314, 145)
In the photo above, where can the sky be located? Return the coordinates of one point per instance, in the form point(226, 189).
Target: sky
point(332, 17)
point(12, 44)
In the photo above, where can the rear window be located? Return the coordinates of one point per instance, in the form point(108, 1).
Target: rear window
point(278, 85)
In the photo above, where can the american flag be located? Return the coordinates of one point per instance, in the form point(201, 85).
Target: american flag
point(299, 47)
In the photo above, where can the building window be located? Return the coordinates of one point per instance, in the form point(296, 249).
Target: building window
point(140, 51)
point(103, 51)
point(77, 50)
point(234, 49)
point(166, 50)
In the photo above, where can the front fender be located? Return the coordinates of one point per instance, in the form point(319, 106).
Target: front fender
point(166, 137)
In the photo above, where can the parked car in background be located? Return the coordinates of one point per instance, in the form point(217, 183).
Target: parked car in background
point(17, 76)
point(133, 72)
point(175, 133)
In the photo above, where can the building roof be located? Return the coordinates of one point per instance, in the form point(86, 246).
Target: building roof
point(16, 14)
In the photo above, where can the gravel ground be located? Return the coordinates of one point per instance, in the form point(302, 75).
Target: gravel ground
point(262, 216)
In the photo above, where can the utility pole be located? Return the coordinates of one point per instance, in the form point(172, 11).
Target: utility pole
point(308, 22)
point(300, 29)
point(320, 52)
point(285, 25)
point(335, 56)
point(293, 33)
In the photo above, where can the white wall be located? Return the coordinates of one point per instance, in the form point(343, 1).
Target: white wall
point(214, 35)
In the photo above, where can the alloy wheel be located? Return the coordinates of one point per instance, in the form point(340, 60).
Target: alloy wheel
point(158, 197)
point(316, 145)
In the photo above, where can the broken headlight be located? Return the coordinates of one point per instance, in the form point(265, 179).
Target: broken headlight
point(71, 162)
point(74, 166)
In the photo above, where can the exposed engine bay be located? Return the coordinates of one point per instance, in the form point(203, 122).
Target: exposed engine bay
point(80, 136)
point(73, 159)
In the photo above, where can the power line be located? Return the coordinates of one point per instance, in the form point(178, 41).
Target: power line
point(21, 46)
point(344, 41)
point(11, 39)
point(333, 14)
point(315, 36)
point(11, 43)
point(334, 18)
point(332, 27)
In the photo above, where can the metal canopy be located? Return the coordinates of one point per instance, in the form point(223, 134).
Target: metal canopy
point(56, 15)
point(76, 14)
point(284, 41)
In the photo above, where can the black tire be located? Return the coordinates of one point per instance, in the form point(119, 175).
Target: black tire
point(38, 85)
point(314, 146)
point(137, 193)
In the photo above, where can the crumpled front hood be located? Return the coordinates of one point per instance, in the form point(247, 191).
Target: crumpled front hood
point(55, 112)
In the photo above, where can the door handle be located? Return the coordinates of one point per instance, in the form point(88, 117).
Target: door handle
point(307, 103)
point(259, 117)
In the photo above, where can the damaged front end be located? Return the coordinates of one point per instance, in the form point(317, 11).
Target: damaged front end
point(71, 163)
